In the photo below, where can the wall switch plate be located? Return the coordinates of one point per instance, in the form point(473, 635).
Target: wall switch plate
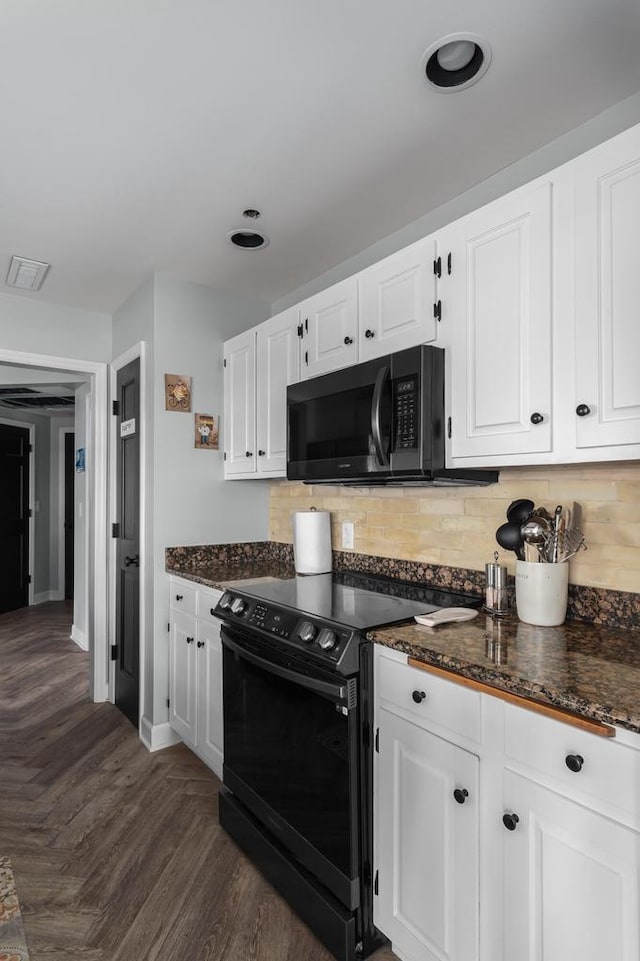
point(347, 535)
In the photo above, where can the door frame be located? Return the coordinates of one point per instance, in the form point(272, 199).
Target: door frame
point(137, 351)
point(32, 493)
point(62, 431)
point(98, 652)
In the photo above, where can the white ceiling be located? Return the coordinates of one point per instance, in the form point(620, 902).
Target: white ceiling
point(134, 132)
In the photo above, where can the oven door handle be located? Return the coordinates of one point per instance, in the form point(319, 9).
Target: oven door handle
point(333, 691)
point(376, 405)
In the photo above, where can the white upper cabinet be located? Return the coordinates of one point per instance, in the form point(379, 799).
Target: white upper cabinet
point(259, 365)
point(499, 311)
point(277, 366)
point(239, 431)
point(607, 294)
point(397, 298)
point(330, 322)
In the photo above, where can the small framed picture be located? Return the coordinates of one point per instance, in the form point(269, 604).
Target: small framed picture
point(177, 392)
point(80, 460)
point(206, 431)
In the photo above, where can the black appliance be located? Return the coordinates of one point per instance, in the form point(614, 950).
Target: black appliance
point(381, 422)
point(298, 714)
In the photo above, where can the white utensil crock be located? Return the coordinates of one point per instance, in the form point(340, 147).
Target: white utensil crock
point(541, 593)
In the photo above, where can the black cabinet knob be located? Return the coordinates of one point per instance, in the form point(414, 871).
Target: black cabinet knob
point(574, 762)
point(179, 597)
point(200, 644)
point(510, 821)
point(248, 453)
point(348, 341)
point(261, 453)
point(369, 334)
point(212, 610)
point(536, 418)
point(190, 640)
point(461, 795)
point(418, 696)
point(582, 410)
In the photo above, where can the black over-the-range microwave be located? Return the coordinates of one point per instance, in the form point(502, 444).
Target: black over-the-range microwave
point(380, 422)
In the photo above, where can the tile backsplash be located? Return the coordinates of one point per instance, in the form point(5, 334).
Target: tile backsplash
point(456, 526)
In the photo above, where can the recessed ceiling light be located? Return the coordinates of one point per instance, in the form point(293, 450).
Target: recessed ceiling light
point(251, 213)
point(247, 239)
point(456, 61)
point(26, 274)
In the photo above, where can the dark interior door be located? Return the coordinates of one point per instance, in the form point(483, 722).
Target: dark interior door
point(69, 481)
point(14, 517)
point(127, 652)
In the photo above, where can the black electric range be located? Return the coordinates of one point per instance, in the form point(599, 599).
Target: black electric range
point(298, 733)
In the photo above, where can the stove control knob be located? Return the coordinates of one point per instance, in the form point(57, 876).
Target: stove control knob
point(307, 632)
point(225, 602)
point(326, 639)
point(238, 606)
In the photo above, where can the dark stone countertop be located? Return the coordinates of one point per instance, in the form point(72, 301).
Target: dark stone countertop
point(583, 668)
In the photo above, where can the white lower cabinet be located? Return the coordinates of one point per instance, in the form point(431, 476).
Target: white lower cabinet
point(195, 675)
point(570, 879)
point(427, 901)
point(541, 861)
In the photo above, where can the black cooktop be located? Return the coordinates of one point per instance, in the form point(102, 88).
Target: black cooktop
point(354, 600)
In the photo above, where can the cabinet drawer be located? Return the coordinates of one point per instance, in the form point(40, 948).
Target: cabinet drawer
point(182, 596)
point(445, 703)
point(207, 600)
point(605, 771)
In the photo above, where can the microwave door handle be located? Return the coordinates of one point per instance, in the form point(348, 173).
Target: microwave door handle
point(326, 689)
point(376, 404)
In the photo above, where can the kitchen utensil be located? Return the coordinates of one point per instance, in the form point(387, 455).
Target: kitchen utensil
point(555, 535)
point(535, 534)
point(446, 615)
point(570, 542)
point(509, 537)
point(519, 511)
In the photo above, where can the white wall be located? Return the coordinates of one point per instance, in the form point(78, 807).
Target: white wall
point(605, 125)
point(38, 327)
point(192, 503)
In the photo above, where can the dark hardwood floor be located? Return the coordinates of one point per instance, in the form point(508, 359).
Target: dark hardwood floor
point(117, 853)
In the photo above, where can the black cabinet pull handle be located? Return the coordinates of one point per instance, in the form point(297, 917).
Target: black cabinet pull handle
point(574, 762)
point(200, 644)
point(536, 418)
point(179, 597)
point(418, 696)
point(261, 453)
point(369, 334)
point(248, 453)
point(461, 795)
point(190, 640)
point(582, 410)
point(348, 341)
point(510, 821)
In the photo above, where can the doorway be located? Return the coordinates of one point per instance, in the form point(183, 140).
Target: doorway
point(15, 449)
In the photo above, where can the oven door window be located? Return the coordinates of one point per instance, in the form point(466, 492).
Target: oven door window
point(296, 752)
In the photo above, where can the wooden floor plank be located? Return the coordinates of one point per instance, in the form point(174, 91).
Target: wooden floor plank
point(117, 853)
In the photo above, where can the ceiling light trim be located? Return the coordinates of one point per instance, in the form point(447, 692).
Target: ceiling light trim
point(452, 87)
point(239, 232)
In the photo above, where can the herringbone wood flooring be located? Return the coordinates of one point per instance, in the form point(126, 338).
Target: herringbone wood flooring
point(117, 853)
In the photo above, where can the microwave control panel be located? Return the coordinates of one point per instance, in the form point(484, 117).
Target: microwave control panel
point(406, 413)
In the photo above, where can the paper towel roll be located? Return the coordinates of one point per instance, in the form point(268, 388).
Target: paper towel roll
point(312, 542)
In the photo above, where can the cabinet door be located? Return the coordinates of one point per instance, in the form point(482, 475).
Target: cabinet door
point(570, 880)
point(499, 304)
point(182, 676)
point(427, 844)
point(240, 404)
point(607, 291)
point(396, 301)
point(209, 670)
point(330, 322)
point(277, 363)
